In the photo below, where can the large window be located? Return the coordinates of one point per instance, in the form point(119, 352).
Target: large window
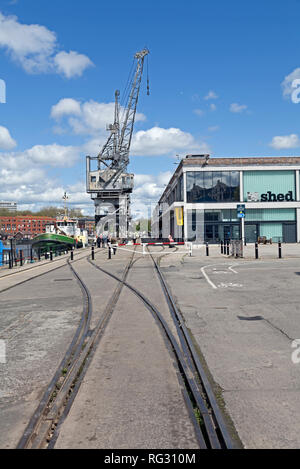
point(213, 186)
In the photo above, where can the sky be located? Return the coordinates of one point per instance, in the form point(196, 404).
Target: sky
point(223, 80)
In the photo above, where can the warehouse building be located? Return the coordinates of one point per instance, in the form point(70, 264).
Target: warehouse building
point(214, 199)
point(9, 206)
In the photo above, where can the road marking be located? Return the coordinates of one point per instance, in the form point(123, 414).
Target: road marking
point(226, 285)
point(232, 270)
point(207, 277)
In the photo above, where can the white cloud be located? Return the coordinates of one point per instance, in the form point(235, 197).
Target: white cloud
point(21, 177)
point(213, 107)
point(211, 95)
point(88, 118)
point(213, 128)
point(199, 112)
point(288, 80)
point(285, 142)
point(235, 107)
point(66, 106)
point(71, 64)
point(53, 155)
point(147, 191)
point(6, 141)
point(160, 141)
point(34, 47)
point(25, 178)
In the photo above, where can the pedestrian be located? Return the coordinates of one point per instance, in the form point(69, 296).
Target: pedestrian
point(104, 238)
point(171, 241)
point(98, 241)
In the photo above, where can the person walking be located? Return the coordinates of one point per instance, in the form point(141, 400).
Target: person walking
point(104, 238)
point(171, 241)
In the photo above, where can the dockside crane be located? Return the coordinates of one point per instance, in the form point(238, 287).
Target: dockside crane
point(109, 184)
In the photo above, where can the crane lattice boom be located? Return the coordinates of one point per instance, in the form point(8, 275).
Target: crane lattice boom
point(111, 180)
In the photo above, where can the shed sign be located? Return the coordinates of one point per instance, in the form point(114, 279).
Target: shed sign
point(270, 197)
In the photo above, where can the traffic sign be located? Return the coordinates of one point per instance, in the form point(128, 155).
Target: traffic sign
point(240, 208)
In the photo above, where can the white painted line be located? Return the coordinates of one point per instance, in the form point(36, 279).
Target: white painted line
point(207, 277)
point(226, 285)
point(232, 270)
point(152, 252)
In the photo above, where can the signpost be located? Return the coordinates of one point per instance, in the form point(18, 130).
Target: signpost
point(240, 209)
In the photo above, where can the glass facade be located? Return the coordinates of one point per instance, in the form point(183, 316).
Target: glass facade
point(177, 193)
point(213, 186)
point(223, 215)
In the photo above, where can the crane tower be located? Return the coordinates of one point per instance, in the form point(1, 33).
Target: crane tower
point(108, 182)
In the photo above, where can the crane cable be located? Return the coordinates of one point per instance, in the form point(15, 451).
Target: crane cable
point(126, 93)
point(148, 88)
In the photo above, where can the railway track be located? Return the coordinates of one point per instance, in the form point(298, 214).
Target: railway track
point(210, 426)
point(215, 430)
point(44, 427)
point(42, 430)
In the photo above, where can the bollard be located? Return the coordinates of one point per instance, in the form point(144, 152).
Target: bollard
point(115, 250)
point(10, 260)
point(93, 253)
point(31, 255)
point(51, 255)
point(109, 253)
point(72, 255)
point(21, 257)
point(39, 254)
point(279, 250)
point(221, 247)
point(46, 256)
point(207, 250)
point(227, 247)
point(191, 249)
point(256, 250)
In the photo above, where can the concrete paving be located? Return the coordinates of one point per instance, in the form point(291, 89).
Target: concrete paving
point(130, 396)
point(244, 316)
point(265, 251)
point(242, 313)
point(37, 323)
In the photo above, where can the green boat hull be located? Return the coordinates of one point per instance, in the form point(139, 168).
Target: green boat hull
point(47, 240)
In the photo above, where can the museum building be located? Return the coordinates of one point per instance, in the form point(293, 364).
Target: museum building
point(214, 199)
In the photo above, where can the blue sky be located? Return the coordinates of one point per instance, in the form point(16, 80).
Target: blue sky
point(220, 82)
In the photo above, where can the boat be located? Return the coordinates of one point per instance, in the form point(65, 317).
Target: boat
point(59, 236)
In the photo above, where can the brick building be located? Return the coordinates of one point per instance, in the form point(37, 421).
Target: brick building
point(87, 224)
point(29, 225)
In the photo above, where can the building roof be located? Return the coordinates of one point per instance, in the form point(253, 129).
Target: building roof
point(190, 160)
